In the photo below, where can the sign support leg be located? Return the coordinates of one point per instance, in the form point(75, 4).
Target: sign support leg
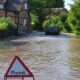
point(22, 78)
point(33, 78)
point(5, 78)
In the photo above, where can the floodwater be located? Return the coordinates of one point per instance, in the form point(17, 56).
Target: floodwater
point(48, 57)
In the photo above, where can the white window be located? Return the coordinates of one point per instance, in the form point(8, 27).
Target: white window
point(1, 6)
point(24, 22)
point(25, 6)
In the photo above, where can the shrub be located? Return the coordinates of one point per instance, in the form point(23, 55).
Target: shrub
point(74, 17)
point(34, 20)
point(6, 24)
point(60, 21)
point(51, 22)
point(11, 26)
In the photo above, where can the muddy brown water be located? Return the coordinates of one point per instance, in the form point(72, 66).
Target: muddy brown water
point(48, 57)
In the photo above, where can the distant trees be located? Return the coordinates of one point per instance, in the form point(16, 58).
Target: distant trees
point(37, 6)
point(59, 21)
point(69, 22)
point(74, 17)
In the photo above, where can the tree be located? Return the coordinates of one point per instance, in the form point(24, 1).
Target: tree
point(74, 17)
point(59, 21)
point(37, 6)
point(46, 4)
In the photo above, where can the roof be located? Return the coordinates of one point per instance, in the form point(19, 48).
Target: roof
point(13, 5)
point(3, 1)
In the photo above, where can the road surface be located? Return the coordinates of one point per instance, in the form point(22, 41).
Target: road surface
point(48, 57)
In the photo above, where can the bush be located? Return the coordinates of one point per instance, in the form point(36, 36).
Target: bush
point(74, 24)
point(51, 22)
point(7, 27)
point(34, 20)
point(64, 22)
point(6, 24)
point(74, 17)
point(60, 21)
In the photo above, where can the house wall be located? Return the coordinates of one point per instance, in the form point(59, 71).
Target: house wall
point(24, 23)
point(2, 13)
point(25, 20)
point(23, 15)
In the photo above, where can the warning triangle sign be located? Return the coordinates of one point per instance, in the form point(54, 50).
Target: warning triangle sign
point(18, 69)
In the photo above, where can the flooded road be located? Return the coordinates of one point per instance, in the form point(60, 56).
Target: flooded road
point(48, 57)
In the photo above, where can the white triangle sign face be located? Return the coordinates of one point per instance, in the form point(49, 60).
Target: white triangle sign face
point(18, 69)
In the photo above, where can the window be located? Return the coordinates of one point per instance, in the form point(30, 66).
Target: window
point(25, 6)
point(1, 6)
point(24, 22)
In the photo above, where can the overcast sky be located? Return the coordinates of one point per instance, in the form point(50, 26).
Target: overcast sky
point(67, 2)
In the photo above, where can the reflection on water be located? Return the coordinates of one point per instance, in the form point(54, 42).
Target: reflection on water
point(48, 57)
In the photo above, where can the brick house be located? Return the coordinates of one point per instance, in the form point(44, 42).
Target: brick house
point(18, 10)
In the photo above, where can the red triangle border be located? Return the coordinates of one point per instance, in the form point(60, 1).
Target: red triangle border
point(26, 68)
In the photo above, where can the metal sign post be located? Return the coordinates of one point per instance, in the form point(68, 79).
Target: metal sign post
point(18, 69)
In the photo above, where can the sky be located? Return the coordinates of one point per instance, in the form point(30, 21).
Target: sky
point(67, 2)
